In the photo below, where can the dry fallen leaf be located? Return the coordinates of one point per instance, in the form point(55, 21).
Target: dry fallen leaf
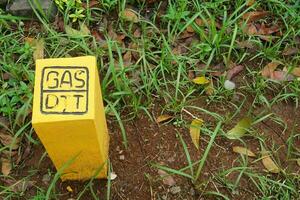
point(288, 51)
point(92, 3)
point(269, 69)
point(167, 179)
point(281, 76)
point(250, 29)
point(269, 163)
point(39, 49)
point(84, 31)
point(234, 71)
point(209, 90)
point(137, 33)
point(250, 2)
point(245, 44)
point(129, 15)
point(263, 31)
point(185, 34)
point(296, 71)
point(190, 29)
point(10, 141)
point(243, 151)
point(255, 15)
point(269, 72)
point(207, 22)
point(127, 56)
point(21, 186)
point(200, 80)
point(6, 166)
point(195, 131)
point(4, 123)
point(298, 162)
point(163, 118)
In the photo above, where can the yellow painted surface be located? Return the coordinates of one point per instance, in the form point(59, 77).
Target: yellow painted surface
point(69, 118)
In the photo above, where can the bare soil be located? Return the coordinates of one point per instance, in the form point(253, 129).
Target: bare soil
point(151, 143)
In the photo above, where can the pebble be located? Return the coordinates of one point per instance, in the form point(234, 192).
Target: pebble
point(229, 85)
point(46, 179)
point(122, 157)
point(192, 191)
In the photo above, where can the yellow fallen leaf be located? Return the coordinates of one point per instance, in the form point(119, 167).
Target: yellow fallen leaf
point(243, 151)
point(200, 80)
point(84, 31)
point(38, 45)
point(240, 129)
point(163, 118)
point(269, 163)
point(39, 49)
point(6, 166)
point(69, 189)
point(195, 131)
point(129, 15)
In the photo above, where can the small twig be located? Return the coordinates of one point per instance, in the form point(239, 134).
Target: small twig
point(187, 112)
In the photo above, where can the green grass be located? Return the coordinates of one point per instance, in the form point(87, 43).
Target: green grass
point(159, 73)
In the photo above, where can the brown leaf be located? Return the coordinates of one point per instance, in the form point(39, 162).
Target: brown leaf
point(250, 2)
point(245, 44)
point(6, 76)
point(4, 123)
point(269, 163)
point(167, 179)
point(97, 35)
point(127, 56)
point(191, 74)
point(281, 76)
point(137, 33)
point(269, 69)
point(207, 22)
point(92, 3)
point(38, 45)
point(255, 15)
point(185, 34)
point(6, 166)
point(8, 140)
point(129, 15)
point(135, 54)
point(260, 29)
point(267, 38)
point(120, 37)
point(209, 90)
point(163, 118)
point(21, 185)
point(298, 162)
point(190, 29)
point(243, 151)
point(250, 29)
point(288, 51)
point(264, 30)
point(234, 71)
point(296, 71)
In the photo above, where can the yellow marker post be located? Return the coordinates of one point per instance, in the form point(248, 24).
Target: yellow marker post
point(68, 116)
